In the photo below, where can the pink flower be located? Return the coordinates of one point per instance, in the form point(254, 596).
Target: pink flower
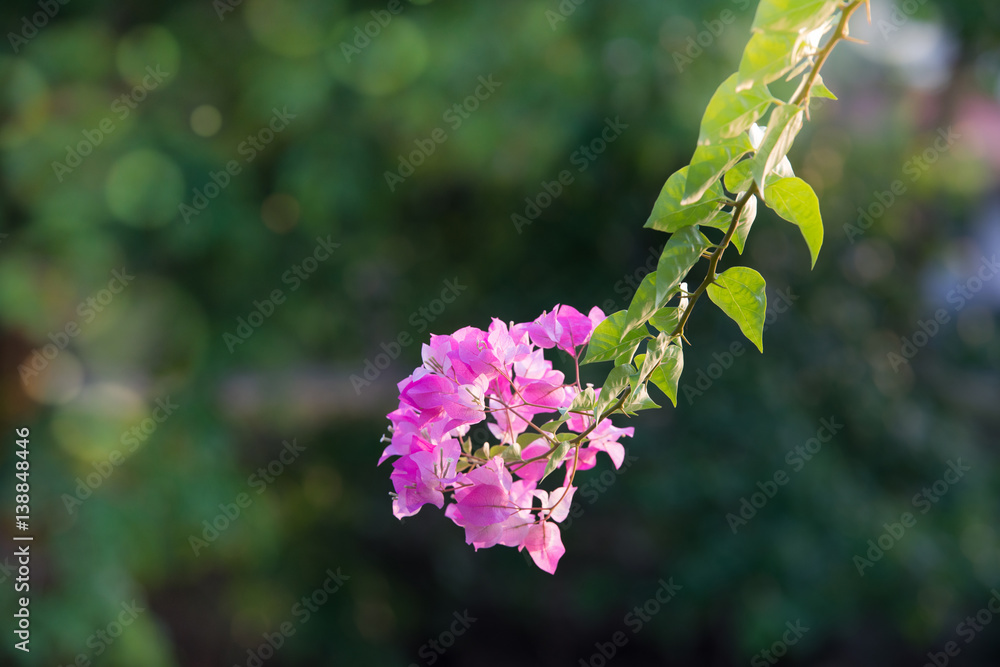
point(500, 378)
point(565, 327)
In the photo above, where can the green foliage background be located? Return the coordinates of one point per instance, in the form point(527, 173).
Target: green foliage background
point(324, 175)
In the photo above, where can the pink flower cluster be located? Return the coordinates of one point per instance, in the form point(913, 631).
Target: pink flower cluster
point(500, 376)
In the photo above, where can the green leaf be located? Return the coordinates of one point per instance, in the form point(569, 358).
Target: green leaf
point(729, 113)
point(666, 319)
point(667, 375)
point(767, 57)
point(793, 15)
point(710, 161)
point(610, 339)
point(783, 126)
point(654, 354)
point(669, 214)
point(681, 253)
point(739, 177)
point(639, 400)
point(556, 457)
point(795, 201)
point(584, 402)
point(739, 292)
point(819, 89)
point(617, 381)
point(747, 216)
point(644, 302)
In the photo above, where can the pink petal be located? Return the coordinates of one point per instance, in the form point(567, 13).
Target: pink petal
point(544, 543)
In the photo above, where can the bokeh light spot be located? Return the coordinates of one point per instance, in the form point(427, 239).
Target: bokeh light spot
point(206, 120)
point(144, 188)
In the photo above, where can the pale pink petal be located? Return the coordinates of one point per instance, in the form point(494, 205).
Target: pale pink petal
point(544, 543)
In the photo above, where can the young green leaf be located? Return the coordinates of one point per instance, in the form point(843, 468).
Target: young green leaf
point(739, 292)
point(666, 319)
point(709, 162)
point(784, 124)
point(767, 57)
point(556, 457)
point(819, 89)
point(747, 216)
point(610, 339)
point(667, 375)
point(618, 380)
point(669, 214)
point(645, 301)
point(739, 177)
point(793, 15)
point(679, 255)
point(795, 201)
point(730, 113)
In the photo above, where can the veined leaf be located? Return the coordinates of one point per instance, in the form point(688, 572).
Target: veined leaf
point(793, 15)
point(645, 301)
point(666, 319)
point(610, 339)
point(739, 176)
point(710, 161)
point(783, 126)
point(747, 216)
point(667, 375)
point(669, 214)
point(795, 201)
point(730, 113)
point(767, 57)
point(618, 380)
point(739, 292)
point(679, 255)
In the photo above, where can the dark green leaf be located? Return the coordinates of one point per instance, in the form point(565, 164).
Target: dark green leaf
point(681, 253)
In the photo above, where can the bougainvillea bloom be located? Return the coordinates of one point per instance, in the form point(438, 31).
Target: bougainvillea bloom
point(499, 377)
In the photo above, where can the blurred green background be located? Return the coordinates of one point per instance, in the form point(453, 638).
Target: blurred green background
point(117, 125)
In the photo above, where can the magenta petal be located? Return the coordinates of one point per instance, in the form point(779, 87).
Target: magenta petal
point(544, 543)
point(484, 505)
